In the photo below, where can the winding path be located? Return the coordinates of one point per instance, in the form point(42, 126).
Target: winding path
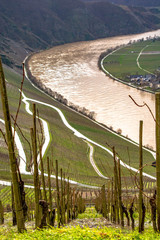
point(119, 80)
point(46, 136)
point(76, 133)
point(80, 135)
point(138, 64)
point(92, 161)
point(22, 156)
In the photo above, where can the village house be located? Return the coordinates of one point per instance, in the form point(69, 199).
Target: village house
point(145, 80)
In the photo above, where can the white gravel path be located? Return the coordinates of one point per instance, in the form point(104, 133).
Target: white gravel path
point(138, 64)
point(78, 134)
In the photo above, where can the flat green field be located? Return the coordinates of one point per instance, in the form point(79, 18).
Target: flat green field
point(123, 62)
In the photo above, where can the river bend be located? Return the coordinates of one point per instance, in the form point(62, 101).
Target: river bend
point(72, 71)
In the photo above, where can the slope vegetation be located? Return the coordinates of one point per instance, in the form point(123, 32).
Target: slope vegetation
point(71, 151)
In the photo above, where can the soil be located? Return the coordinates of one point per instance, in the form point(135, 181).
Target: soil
point(91, 223)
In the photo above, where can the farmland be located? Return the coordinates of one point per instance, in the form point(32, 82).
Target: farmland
point(71, 141)
point(138, 59)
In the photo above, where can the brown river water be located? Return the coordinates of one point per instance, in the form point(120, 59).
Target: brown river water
point(72, 71)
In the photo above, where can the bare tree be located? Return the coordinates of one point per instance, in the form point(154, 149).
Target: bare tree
point(11, 150)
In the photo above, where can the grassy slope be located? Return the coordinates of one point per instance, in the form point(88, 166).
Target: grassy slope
point(98, 134)
point(71, 152)
point(5, 196)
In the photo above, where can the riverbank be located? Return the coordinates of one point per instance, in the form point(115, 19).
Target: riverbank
point(83, 137)
point(101, 60)
point(72, 71)
point(135, 64)
point(57, 96)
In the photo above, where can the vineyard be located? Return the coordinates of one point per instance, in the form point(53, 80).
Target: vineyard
point(72, 153)
point(54, 192)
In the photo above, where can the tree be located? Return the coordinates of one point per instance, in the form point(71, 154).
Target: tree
point(11, 150)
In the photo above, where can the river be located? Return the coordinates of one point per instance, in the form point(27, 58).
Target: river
point(72, 71)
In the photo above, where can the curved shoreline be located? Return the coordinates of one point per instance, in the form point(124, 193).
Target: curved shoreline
point(55, 95)
point(72, 71)
point(78, 134)
point(93, 120)
point(117, 79)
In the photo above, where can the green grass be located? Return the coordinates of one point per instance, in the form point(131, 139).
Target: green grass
point(90, 212)
point(70, 151)
point(123, 62)
point(7, 231)
point(5, 196)
point(150, 62)
point(125, 149)
point(78, 233)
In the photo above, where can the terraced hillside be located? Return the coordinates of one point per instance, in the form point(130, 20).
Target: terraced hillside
point(72, 152)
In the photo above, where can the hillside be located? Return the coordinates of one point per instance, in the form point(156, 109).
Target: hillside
point(72, 152)
point(28, 26)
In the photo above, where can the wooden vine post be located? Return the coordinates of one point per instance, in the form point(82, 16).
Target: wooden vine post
point(36, 175)
point(58, 195)
point(64, 199)
point(152, 202)
point(112, 203)
point(12, 156)
point(108, 200)
point(61, 200)
point(157, 101)
point(49, 183)
point(68, 201)
point(120, 193)
point(104, 204)
point(14, 220)
point(116, 198)
point(141, 226)
point(42, 174)
point(1, 213)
